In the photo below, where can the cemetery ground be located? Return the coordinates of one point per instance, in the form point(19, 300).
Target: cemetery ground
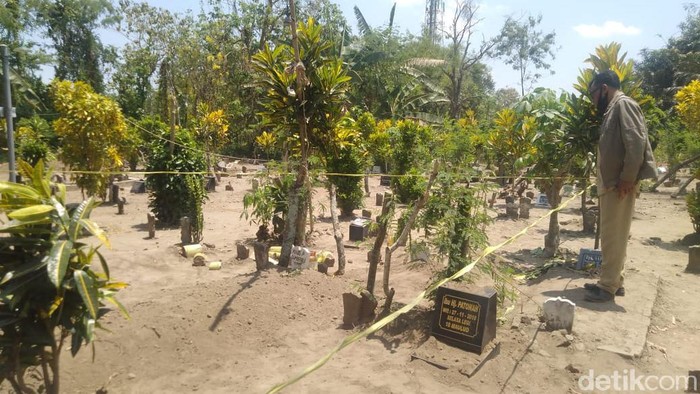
point(239, 330)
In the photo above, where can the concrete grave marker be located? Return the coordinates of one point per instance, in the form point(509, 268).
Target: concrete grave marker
point(379, 199)
point(299, 258)
point(559, 313)
point(138, 187)
point(693, 259)
point(525, 205)
point(242, 251)
point(359, 229)
point(511, 208)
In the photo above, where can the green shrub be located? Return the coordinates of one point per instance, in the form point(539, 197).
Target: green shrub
point(172, 194)
point(33, 150)
point(410, 153)
point(269, 201)
point(349, 190)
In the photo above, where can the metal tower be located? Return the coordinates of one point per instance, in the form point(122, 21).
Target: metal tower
point(434, 12)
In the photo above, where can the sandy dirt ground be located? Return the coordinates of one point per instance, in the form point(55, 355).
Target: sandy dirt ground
point(236, 330)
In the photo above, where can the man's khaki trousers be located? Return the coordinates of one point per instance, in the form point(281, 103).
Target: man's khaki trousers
point(615, 221)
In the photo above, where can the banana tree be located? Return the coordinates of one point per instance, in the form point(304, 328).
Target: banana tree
point(49, 290)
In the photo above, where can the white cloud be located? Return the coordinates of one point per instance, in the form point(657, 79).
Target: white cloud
point(607, 29)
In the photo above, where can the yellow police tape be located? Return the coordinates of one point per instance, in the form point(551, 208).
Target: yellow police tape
point(388, 319)
point(247, 174)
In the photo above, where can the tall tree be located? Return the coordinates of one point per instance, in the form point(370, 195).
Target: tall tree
point(71, 26)
point(664, 71)
point(524, 47)
point(465, 54)
point(17, 25)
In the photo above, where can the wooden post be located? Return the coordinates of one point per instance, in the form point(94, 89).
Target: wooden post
point(114, 194)
point(151, 225)
point(261, 250)
point(185, 230)
point(120, 206)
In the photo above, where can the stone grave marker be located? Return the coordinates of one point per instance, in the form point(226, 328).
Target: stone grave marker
point(210, 186)
point(114, 193)
point(465, 320)
point(242, 251)
point(525, 205)
point(559, 314)
point(359, 229)
point(120, 206)
point(693, 259)
point(379, 199)
point(185, 230)
point(384, 180)
point(299, 259)
point(138, 187)
point(511, 208)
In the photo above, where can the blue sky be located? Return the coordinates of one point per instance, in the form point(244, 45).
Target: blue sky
point(580, 26)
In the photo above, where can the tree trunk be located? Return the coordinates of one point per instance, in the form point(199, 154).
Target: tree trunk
point(366, 183)
point(337, 234)
point(374, 259)
point(388, 292)
point(290, 228)
point(551, 240)
point(673, 171)
point(681, 189)
point(311, 212)
point(584, 196)
point(295, 226)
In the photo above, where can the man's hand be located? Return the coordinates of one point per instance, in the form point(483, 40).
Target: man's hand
point(624, 188)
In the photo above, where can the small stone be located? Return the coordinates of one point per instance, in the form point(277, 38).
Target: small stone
point(574, 368)
point(250, 322)
point(579, 347)
point(569, 338)
point(544, 353)
point(526, 320)
point(515, 324)
point(209, 315)
point(131, 375)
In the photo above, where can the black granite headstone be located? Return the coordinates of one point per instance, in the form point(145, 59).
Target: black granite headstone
point(465, 320)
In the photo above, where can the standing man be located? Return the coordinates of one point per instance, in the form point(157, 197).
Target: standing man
point(624, 158)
